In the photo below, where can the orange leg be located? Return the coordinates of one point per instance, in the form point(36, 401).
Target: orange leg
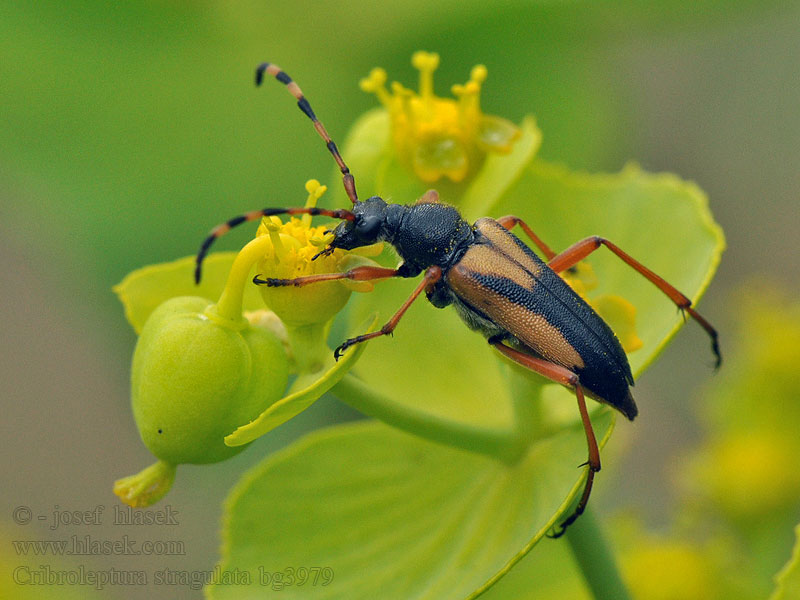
point(510, 220)
point(569, 379)
point(432, 275)
point(357, 274)
point(584, 248)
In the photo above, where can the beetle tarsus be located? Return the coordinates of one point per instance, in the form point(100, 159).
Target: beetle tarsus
point(270, 281)
point(557, 534)
point(337, 354)
point(324, 252)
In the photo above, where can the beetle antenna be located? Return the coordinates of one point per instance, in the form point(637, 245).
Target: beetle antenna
point(279, 74)
point(225, 227)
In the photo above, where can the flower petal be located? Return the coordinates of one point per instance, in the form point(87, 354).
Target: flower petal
point(496, 134)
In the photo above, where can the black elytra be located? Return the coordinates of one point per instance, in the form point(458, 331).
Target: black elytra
point(495, 282)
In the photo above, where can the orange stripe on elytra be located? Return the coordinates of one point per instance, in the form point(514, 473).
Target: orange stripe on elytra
point(504, 241)
point(521, 320)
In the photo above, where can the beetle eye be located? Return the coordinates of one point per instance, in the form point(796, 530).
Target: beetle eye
point(368, 228)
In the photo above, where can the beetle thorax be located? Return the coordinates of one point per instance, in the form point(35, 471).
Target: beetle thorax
point(428, 234)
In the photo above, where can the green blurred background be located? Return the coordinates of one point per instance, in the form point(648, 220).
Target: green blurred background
point(128, 130)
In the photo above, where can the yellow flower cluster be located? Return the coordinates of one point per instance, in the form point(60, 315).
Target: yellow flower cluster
point(440, 137)
point(295, 252)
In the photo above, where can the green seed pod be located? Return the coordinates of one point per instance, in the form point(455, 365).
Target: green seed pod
point(197, 377)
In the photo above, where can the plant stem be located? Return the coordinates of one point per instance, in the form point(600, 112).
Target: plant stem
point(230, 302)
point(504, 444)
point(309, 348)
point(595, 559)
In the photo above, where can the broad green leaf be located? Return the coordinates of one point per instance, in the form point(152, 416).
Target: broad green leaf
point(395, 516)
point(788, 580)
point(434, 363)
point(547, 572)
point(142, 290)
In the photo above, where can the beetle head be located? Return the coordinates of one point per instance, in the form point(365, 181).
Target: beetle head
point(365, 229)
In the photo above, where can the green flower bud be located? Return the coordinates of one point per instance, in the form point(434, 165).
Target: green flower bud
point(197, 377)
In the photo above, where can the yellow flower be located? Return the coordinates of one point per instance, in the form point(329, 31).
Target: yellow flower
point(671, 570)
point(295, 252)
point(440, 137)
point(748, 473)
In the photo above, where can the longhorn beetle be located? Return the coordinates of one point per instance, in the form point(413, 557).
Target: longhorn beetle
point(496, 283)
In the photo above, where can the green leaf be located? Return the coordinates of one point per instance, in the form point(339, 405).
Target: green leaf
point(143, 290)
point(788, 579)
point(295, 403)
point(395, 516)
point(548, 571)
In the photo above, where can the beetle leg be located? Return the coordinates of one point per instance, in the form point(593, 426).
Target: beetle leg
point(509, 221)
point(582, 249)
point(569, 379)
point(432, 275)
point(365, 273)
point(429, 197)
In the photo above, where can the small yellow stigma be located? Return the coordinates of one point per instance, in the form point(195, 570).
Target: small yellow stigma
point(581, 278)
point(468, 95)
point(375, 83)
point(426, 63)
point(296, 242)
point(440, 137)
point(273, 227)
point(315, 191)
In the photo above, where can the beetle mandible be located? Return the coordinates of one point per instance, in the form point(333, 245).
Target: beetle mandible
point(496, 283)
